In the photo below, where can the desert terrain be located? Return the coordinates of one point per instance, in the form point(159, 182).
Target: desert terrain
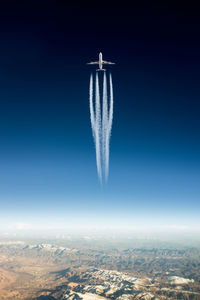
point(87, 268)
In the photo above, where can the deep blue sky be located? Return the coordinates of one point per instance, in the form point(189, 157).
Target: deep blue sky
point(47, 157)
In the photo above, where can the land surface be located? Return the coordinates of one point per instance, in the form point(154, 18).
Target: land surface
point(88, 268)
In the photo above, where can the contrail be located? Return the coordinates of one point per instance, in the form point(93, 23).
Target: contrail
point(101, 123)
point(111, 105)
point(104, 122)
point(92, 117)
point(98, 129)
point(108, 130)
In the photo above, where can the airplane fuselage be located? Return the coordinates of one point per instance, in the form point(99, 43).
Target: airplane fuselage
point(100, 61)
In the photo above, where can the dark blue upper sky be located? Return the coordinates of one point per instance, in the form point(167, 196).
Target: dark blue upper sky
point(47, 157)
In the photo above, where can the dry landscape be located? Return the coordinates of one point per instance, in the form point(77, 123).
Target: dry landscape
point(97, 269)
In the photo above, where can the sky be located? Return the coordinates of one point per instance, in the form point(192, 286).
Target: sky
point(48, 176)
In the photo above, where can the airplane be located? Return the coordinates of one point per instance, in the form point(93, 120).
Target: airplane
point(100, 62)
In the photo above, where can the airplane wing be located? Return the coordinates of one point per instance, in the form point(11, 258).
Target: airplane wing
point(93, 63)
point(108, 62)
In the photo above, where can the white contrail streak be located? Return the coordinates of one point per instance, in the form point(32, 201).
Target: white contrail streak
point(98, 129)
point(101, 123)
point(108, 130)
point(104, 121)
point(111, 106)
point(92, 117)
